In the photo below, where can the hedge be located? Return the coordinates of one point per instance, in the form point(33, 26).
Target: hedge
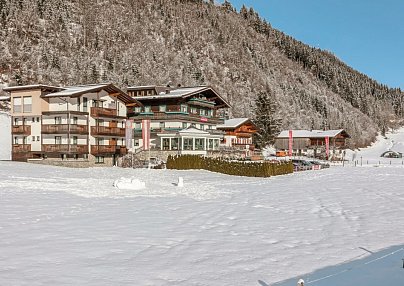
point(249, 169)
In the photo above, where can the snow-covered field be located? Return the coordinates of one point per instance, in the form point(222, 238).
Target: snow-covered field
point(5, 136)
point(62, 226)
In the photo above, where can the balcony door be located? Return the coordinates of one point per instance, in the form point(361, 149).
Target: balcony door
point(58, 140)
point(113, 123)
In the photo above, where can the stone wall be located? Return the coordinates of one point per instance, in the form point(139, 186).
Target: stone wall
point(79, 163)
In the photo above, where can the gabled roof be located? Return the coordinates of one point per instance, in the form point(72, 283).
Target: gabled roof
point(312, 134)
point(32, 86)
point(193, 130)
point(184, 92)
point(232, 123)
point(74, 91)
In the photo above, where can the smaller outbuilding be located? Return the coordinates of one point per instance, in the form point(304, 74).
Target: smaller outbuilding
point(392, 154)
point(239, 133)
point(313, 142)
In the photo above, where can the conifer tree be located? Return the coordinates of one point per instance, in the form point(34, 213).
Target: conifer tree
point(267, 121)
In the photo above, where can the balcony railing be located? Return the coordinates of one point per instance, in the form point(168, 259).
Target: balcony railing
point(64, 129)
point(17, 148)
point(103, 112)
point(65, 148)
point(108, 131)
point(176, 116)
point(108, 149)
point(22, 129)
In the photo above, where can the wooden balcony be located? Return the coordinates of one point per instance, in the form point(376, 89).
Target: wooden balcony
point(65, 148)
point(64, 129)
point(21, 129)
point(20, 148)
point(177, 116)
point(108, 149)
point(107, 131)
point(104, 112)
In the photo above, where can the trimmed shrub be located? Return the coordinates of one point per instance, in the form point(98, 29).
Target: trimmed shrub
point(248, 169)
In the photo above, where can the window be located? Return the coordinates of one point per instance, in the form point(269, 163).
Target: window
point(58, 120)
point(37, 138)
point(58, 140)
point(74, 140)
point(210, 144)
point(138, 109)
point(202, 127)
point(162, 108)
point(100, 122)
point(17, 104)
point(16, 140)
point(78, 103)
point(37, 119)
point(85, 104)
point(188, 144)
point(199, 144)
point(166, 143)
point(99, 159)
point(184, 125)
point(210, 112)
point(75, 119)
point(15, 121)
point(216, 144)
point(27, 101)
point(184, 108)
point(24, 140)
point(147, 108)
point(138, 126)
point(174, 143)
point(162, 125)
point(194, 110)
point(33, 138)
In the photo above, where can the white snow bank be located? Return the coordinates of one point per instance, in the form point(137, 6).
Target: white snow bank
point(129, 184)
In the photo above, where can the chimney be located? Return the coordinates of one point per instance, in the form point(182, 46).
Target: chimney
point(167, 90)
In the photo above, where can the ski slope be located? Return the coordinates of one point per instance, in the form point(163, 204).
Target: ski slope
point(61, 226)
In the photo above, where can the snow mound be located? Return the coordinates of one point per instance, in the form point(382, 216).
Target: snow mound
point(129, 184)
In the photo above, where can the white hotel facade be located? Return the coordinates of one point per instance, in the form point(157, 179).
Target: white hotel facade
point(83, 124)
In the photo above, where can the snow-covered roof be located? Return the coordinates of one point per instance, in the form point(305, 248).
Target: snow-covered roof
point(193, 130)
point(77, 90)
point(83, 89)
point(4, 97)
point(181, 92)
point(140, 87)
point(232, 123)
point(310, 134)
point(32, 86)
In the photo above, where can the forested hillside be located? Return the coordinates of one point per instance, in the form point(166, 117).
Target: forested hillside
point(139, 42)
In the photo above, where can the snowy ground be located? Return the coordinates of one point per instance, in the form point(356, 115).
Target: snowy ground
point(61, 226)
point(5, 136)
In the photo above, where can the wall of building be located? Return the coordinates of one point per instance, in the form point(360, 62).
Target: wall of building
point(5, 136)
point(38, 104)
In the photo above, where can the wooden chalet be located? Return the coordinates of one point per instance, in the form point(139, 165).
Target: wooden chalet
point(239, 133)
